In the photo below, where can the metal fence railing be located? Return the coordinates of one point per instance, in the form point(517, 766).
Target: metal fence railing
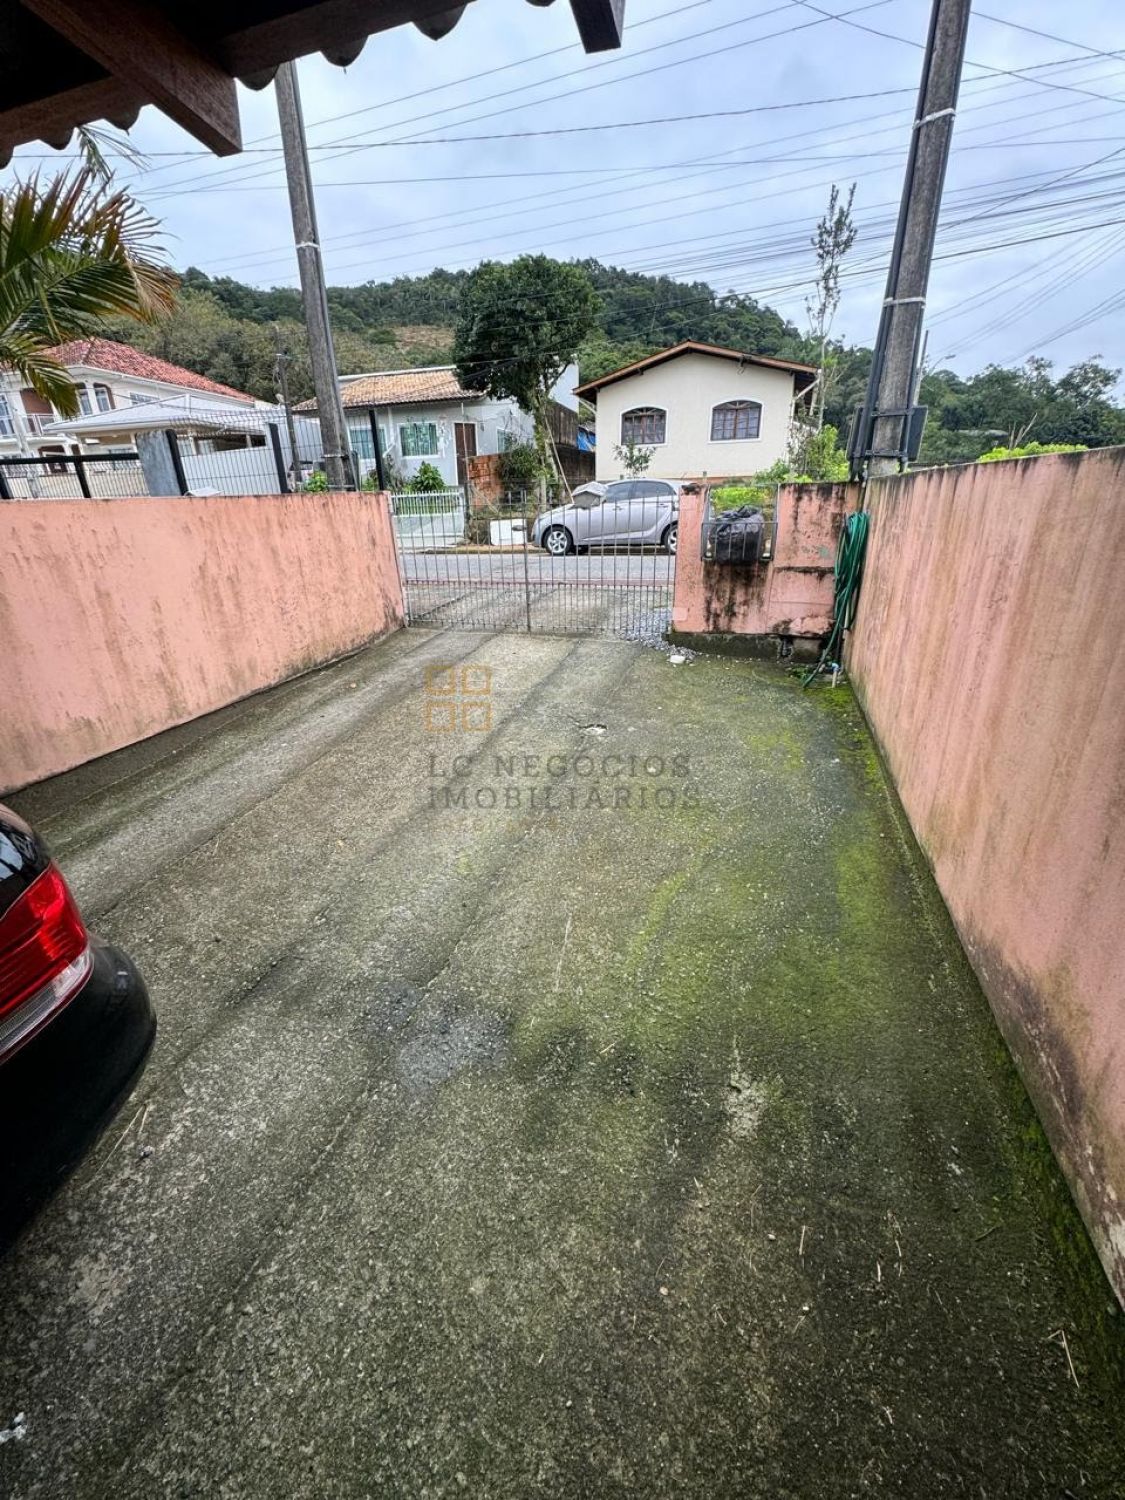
point(71, 476)
point(583, 568)
point(428, 518)
point(427, 502)
point(172, 448)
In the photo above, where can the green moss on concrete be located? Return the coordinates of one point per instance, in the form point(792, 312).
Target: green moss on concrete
point(788, 948)
point(698, 1168)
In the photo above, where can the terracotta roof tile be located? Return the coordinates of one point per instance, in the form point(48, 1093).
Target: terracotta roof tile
point(123, 359)
point(401, 388)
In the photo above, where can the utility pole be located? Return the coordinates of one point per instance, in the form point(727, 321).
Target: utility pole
point(280, 367)
point(326, 384)
point(881, 438)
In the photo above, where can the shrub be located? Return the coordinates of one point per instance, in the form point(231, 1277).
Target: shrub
point(427, 480)
point(1030, 450)
point(478, 523)
point(731, 496)
point(519, 468)
point(634, 460)
point(817, 456)
point(316, 483)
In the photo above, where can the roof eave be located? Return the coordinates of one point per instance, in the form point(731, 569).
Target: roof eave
point(692, 346)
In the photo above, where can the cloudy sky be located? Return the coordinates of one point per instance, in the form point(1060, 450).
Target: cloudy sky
point(705, 149)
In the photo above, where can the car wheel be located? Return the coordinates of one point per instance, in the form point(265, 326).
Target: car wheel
point(670, 538)
point(557, 541)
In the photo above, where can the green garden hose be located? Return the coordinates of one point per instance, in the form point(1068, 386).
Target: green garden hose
point(850, 552)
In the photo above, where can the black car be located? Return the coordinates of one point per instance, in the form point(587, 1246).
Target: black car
point(76, 1026)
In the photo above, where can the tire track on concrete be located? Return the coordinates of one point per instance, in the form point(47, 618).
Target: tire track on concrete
point(200, 1102)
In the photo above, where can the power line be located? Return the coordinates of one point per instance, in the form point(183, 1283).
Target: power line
point(1046, 35)
point(578, 194)
point(351, 147)
point(413, 181)
point(474, 77)
point(712, 114)
point(635, 224)
point(842, 17)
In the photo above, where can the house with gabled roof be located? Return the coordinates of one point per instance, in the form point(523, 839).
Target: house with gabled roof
point(110, 378)
point(701, 409)
point(425, 415)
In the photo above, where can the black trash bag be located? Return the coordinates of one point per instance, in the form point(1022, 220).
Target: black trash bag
point(735, 537)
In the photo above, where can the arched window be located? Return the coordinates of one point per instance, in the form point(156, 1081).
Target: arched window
point(735, 421)
point(643, 425)
point(104, 397)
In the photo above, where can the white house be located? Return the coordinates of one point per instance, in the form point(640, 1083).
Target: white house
point(703, 410)
point(426, 416)
point(110, 378)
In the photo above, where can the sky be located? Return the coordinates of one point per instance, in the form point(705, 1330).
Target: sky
point(580, 155)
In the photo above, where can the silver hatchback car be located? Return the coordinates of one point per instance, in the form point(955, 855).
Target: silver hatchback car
point(631, 512)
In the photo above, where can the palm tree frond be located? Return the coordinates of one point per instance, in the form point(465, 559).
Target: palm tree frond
point(45, 375)
point(73, 253)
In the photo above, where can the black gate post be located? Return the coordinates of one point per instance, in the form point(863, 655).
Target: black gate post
point(278, 457)
point(177, 461)
point(379, 475)
point(5, 492)
point(80, 469)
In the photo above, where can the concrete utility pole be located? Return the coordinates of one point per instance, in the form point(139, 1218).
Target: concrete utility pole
point(890, 392)
point(322, 355)
point(280, 366)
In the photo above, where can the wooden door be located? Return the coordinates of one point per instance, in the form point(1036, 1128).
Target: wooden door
point(465, 438)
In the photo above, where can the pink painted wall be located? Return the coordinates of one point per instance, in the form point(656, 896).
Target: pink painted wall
point(789, 595)
point(119, 618)
point(989, 655)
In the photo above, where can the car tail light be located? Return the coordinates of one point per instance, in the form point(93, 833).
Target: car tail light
point(44, 957)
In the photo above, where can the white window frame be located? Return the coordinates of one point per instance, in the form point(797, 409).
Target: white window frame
point(433, 452)
point(85, 404)
point(736, 401)
point(644, 442)
point(7, 420)
point(100, 387)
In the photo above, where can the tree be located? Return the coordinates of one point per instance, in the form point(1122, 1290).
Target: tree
point(1001, 406)
point(817, 455)
point(633, 459)
point(520, 326)
point(597, 356)
point(72, 254)
point(834, 237)
point(202, 335)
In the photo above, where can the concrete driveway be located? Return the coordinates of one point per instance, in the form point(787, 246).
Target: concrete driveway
point(609, 1111)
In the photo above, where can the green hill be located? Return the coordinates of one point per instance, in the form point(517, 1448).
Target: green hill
point(231, 332)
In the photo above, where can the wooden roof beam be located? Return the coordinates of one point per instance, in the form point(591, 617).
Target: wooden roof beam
point(142, 51)
point(315, 27)
point(53, 120)
point(601, 23)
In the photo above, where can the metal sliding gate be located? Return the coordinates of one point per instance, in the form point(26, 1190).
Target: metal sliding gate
point(495, 569)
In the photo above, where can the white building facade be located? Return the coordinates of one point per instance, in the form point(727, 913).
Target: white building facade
point(110, 378)
point(425, 416)
point(701, 409)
